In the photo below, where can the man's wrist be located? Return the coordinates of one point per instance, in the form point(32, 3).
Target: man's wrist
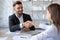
point(21, 25)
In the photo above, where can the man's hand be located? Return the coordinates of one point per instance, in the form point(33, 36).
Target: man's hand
point(26, 29)
point(26, 26)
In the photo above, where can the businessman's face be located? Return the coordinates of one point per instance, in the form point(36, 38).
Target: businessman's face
point(18, 8)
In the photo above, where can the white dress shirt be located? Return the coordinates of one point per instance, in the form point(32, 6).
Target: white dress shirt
point(51, 33)
point(21, 20)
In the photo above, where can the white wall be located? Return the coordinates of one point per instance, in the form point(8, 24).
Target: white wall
point(5, 11)
point(56, 1)
point(1, 12)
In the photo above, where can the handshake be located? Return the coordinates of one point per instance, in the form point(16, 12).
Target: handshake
point(27, 25)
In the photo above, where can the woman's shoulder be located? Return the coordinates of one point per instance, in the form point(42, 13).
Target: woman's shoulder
point(52, 30)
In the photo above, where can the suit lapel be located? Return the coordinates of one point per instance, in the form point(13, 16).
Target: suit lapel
point(24, 17)
point(16, 19)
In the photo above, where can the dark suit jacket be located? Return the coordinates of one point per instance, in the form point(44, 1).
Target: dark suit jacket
point(14, 23)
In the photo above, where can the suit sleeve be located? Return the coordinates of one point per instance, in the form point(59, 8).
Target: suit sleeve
point(13, 27)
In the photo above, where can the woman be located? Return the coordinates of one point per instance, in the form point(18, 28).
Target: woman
point(53, 31)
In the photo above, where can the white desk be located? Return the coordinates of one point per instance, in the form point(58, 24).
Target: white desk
point(7, 35)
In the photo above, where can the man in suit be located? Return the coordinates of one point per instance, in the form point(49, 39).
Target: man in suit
point(18, 20)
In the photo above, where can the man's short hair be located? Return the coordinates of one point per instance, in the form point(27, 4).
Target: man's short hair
point(17, 2)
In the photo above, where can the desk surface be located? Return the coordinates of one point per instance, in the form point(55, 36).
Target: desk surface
point(10, 35)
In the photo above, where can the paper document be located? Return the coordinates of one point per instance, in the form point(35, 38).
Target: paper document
point(22, 37)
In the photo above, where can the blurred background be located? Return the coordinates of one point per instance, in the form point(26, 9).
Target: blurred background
point(35, 8)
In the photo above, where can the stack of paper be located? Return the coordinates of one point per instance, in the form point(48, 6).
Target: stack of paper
point(22, 37)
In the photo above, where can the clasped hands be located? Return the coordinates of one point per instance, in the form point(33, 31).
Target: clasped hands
point(26, 25)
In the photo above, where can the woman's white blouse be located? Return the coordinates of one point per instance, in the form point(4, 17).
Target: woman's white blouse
point(51, 33)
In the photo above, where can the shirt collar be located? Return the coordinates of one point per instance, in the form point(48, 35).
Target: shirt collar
point(18, 17)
